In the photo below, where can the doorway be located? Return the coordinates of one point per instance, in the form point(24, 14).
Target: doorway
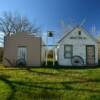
point(90, 54)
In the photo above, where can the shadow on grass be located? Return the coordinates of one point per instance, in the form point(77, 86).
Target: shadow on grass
point(41, 73)
point(72, 67)
point(67, 85)
point(56, 66)
point(50, 66)
point(47, 87)
point(10, 84)
point(60, 68)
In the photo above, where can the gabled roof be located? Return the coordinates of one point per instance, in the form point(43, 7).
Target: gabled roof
point(90, 35)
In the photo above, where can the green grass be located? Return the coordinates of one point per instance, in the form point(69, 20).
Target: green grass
point(49, 84)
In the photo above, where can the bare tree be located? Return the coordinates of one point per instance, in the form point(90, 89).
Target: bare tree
point(13, 23)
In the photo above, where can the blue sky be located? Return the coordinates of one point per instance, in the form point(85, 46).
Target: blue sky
point(48, 13)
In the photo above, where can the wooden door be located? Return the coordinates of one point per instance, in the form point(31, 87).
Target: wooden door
point(90, 54)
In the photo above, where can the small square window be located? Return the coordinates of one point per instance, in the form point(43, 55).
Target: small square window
point(67, 48)
point(68, 55)
point(79, 32)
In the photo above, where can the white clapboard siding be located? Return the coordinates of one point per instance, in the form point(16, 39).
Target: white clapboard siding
point(79, 45)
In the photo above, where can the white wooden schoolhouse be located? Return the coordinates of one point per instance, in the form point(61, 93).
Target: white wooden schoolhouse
point(77, 48)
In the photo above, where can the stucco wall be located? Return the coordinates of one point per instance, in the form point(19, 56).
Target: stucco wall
point(32, 43)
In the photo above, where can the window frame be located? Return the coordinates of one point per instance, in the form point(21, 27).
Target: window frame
point(21, 47)
point(71, 52)
point(79, 33)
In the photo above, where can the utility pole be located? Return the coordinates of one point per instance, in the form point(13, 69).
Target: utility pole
point(47, 49)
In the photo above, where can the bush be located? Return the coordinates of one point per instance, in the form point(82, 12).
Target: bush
point(1, 56)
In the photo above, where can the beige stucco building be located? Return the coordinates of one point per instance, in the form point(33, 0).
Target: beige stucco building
point(22, 48)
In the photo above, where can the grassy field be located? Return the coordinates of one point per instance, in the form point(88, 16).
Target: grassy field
point(49, 84)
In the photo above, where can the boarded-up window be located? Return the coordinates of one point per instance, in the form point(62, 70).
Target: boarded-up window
point(67, 51)
point(22, 53)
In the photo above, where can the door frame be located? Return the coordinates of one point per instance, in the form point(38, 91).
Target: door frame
point(87, 54)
